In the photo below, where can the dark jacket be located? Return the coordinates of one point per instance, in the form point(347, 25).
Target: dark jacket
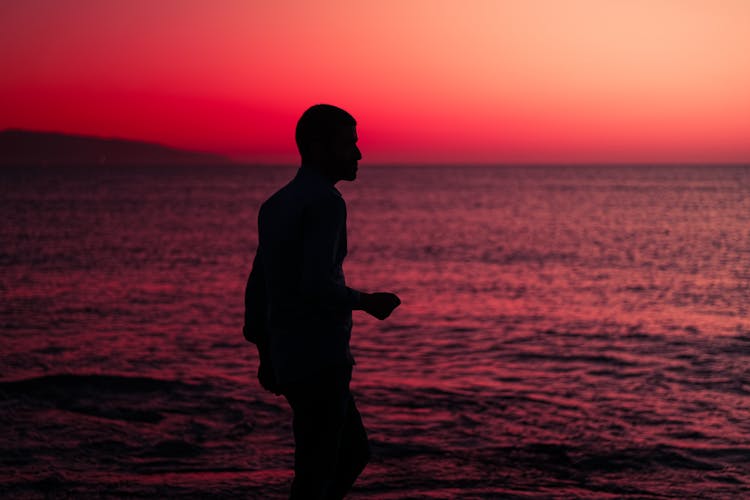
point(298, 309)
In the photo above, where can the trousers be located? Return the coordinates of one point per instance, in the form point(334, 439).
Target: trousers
point(330, 442)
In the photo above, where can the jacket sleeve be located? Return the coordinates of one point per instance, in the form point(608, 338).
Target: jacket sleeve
point(324, 230)
point(256, 304)
point(255, 329)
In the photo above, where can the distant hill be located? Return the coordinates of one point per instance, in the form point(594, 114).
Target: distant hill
point(26, 148)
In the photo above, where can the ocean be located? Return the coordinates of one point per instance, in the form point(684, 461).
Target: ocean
point(565, 332)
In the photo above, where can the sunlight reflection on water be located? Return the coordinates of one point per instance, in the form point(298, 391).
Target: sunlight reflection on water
point(564, 331)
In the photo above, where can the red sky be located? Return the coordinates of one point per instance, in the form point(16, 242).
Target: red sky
point(429, 81)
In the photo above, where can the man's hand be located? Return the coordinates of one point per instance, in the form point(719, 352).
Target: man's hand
point(379, 304)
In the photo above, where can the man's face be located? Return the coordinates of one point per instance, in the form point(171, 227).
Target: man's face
point(344, 154)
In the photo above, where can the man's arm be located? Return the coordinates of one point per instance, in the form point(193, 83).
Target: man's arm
point(324, 223)
point(256, 303)
point(255, 329)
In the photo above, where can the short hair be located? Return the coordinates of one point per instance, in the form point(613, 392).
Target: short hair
point(319, 124)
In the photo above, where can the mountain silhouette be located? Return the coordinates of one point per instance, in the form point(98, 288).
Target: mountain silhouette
point(32, 148)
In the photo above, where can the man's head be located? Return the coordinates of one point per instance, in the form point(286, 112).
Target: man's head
point(327, 140)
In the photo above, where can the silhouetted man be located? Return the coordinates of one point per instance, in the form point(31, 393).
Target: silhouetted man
point(298, 309)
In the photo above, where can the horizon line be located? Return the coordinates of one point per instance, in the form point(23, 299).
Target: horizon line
point(237, 160)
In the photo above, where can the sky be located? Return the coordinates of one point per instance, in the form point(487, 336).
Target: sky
point(489, 82)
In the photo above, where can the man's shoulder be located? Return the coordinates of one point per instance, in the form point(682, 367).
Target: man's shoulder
point(303, 196)
point(308, 190)
point(326, 202)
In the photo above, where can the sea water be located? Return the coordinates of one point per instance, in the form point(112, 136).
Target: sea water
point(565, 332)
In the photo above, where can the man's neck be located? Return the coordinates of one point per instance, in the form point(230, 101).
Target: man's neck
point(317, 170)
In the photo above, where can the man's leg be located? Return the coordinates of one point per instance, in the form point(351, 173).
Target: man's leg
point(320, 407)
point(354, 452)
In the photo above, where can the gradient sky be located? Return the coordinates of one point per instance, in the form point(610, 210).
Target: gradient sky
point(429, 81)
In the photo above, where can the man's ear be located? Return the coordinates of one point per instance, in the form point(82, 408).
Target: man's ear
point(317, 149)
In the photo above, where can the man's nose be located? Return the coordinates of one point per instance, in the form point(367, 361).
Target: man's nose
point(359, 153)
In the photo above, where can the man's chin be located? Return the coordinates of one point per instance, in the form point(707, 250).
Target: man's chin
point(351, 174)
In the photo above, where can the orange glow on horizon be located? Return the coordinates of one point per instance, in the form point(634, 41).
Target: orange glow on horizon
point(428, 81)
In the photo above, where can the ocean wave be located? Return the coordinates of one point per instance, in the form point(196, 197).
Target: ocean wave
point(67, 384)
